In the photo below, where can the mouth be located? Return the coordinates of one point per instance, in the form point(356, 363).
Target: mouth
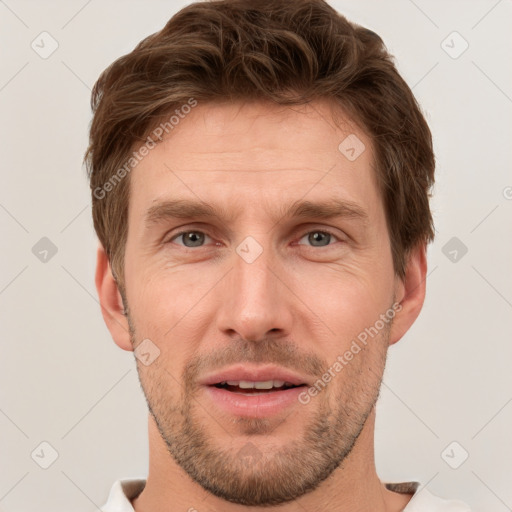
point(251, 388)
point(255, 392)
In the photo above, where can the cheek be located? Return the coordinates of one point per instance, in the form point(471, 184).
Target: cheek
point(169, 309)
point(158, 298)
point(162, 391)
point(358, 366)
point(346, 299)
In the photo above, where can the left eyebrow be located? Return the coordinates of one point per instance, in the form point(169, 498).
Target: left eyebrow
point(329, 209)
point(191, 209)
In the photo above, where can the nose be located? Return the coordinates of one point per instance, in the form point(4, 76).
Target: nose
point(255, 302)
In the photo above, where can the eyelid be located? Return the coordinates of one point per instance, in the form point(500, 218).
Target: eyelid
point(320, 230)
point(186, 228)
point(177, 235)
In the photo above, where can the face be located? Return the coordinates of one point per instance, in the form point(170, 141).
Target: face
point(257, 255)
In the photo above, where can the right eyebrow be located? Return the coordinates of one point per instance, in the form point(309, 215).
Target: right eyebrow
point(181, 209)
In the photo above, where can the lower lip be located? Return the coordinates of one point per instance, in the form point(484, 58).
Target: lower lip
point(254, 405)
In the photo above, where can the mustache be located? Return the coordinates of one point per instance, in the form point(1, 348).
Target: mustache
point(285, 353)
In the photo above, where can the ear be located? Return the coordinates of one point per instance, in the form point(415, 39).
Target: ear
point(111, 302)
point(410, 293)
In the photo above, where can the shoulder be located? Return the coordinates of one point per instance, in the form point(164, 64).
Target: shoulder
point(424, 501)
point(121, 494)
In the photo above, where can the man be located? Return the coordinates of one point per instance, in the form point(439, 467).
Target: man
point(260, 176)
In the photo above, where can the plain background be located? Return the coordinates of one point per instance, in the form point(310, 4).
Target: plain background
point(62, 379)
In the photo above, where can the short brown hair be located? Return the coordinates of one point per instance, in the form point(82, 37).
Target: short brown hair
point(286, 52)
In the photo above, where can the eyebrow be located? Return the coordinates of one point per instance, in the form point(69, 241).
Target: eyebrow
point(191, 209)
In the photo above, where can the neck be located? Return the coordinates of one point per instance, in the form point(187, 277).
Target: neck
point(354, 486)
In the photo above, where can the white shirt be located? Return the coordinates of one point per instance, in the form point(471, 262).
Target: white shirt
point(422, 501)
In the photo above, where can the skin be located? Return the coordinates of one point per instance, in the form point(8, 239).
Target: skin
point(299, 304)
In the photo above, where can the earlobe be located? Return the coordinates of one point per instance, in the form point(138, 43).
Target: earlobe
point(111, 303)
point(410, 293)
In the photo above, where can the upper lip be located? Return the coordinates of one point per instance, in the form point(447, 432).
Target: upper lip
point(253, 374)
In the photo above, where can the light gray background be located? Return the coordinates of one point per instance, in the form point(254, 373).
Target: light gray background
point(64, 381)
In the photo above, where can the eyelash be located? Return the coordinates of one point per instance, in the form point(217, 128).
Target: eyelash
point(324, 231)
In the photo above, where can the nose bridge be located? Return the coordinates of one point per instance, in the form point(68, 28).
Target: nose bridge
point(254, 302)
point(253, 270)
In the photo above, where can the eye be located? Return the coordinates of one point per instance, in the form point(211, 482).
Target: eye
point(190, 238)
point(319, 238)
point(194, 238)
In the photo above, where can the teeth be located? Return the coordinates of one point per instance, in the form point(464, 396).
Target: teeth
point(268, 384)
point(245, 384)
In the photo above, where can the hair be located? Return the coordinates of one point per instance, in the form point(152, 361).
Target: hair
point(288, 53)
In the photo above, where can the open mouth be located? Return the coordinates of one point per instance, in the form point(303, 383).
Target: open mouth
point(249, 388)
point(254, 392)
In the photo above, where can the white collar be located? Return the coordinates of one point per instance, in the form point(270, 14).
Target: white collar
point(125, 490)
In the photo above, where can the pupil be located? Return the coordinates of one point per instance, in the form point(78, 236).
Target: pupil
point(316, 235)
point(195, 238)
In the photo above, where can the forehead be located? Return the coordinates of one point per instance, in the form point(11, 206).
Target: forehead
point(243, 154)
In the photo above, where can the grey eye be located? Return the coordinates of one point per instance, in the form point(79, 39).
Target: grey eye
point(191, 238)
point(318, 238)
